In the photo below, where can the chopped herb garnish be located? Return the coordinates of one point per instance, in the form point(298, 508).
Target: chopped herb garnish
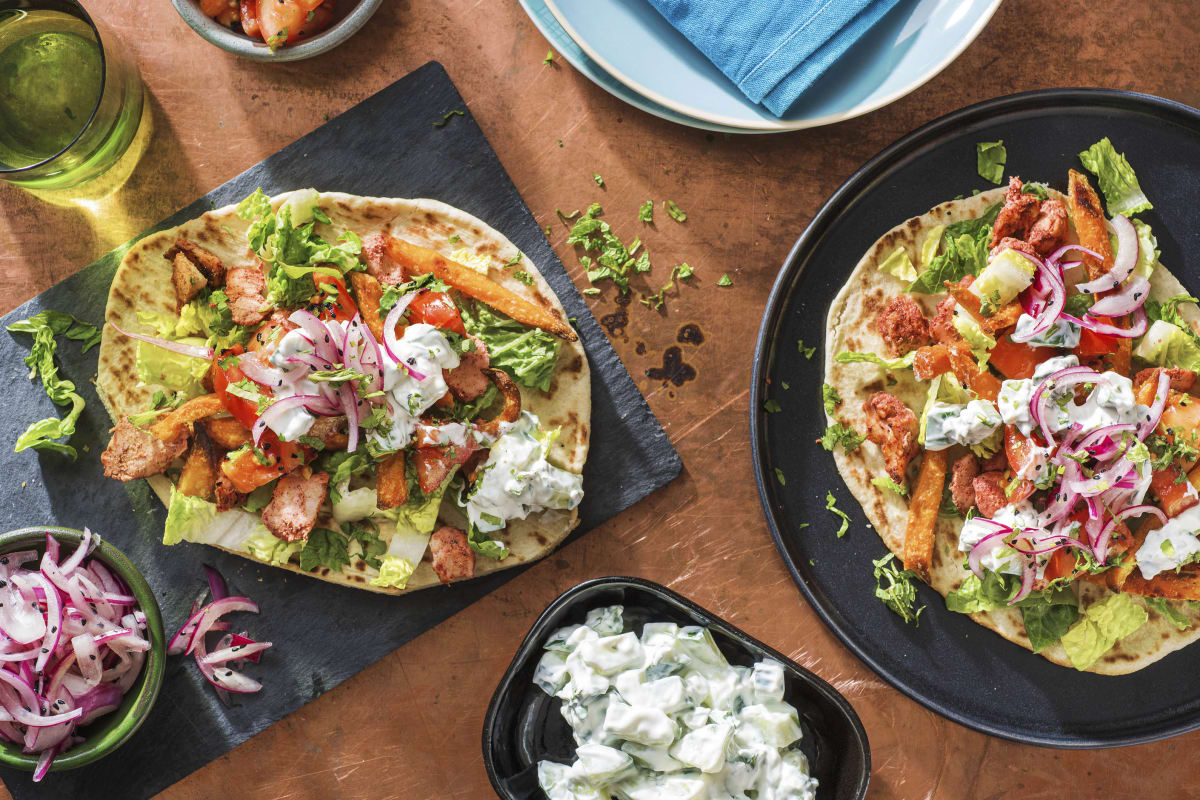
point(990, 158)
point(779, 477)
point(838, 435)
point(831, 398)
point(807, 351)
point(900, 595)
point(524, 277)
point(455, 238)
point(831, 505)
point(772, 406)
point(887, 484)
point(441, 123)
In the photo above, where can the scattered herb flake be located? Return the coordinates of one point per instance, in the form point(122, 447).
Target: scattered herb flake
point(807, 351)
point(454, 238)
point(442, 122)
point(675, 212)
point(772, 406)
point(779, 477)
point(831, 398)
point(831, 505)
point(887, 484)
point(838, 435)
point(524, 277)
point(900, 595)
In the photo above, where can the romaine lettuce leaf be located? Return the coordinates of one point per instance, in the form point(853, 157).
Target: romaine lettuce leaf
point(1104, 623)
point(899, 265)
point(267, 547)
point(1047, 622)
point(1122, 194)
point(526, 354)
point(156, 365)
point(964, 251)
point(187, 518)
point(1163, 608)
point(989, 160)
point(393, 571)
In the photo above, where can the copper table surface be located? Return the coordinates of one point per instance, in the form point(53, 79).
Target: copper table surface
point(409, 726)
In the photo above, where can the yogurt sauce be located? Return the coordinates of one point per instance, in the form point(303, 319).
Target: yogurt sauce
point(664, 716)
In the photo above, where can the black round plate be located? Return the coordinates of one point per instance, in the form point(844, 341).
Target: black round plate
point(949, 664)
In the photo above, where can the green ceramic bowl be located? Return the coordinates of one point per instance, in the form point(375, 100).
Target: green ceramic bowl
point(110, 731)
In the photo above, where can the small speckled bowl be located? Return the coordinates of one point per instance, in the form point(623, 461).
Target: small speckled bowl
point(110, 731)
point(256, 49)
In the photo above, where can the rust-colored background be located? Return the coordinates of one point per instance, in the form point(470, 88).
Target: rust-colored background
point(409, 727)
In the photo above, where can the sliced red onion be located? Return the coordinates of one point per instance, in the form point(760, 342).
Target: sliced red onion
point(1063, 379)
point(214, 611)
point(350, 405)
point(87, 655)
point(252, 364)
point(242, 639)
point(19, 618)
point(1048, 281)
point(390, 342)
point(1067, 248)
point(216, 583)
point(1123, 262)
point(323, 344)
point(1136, 329)
point(224, 678)
point(23, 713)
point(277, 410)
point(1026, 581)
point(1131, 296)
point(195, 351)
point(98, 702)
point(235, 652)
point(52, 546)
point(1102, 481)
point(1154, 414)
point(1102, 542)
point(1103, 440)
point(986, 545)
point(53, 623)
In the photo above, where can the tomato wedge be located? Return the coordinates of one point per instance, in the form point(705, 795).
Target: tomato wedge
point(1017, 361)
point(436, 309)
point(246, 471)
point(336, 302)
point(1061, 564)
point(1095, 344)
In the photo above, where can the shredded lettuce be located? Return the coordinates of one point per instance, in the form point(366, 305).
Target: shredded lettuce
point(989, 160)
point(899, 594)
point(1117, 180)
point(1103, 624)
point(528, 355)
point(266, 546)
point(393, 571)
point(899, 265)
point(44, 326)
point(286, 242)
point(1163, 608)
point(852, 357)
point(889, 485)
point(964, 251)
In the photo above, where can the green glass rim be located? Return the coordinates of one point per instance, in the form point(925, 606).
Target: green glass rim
point(74, 8)
point(106, 733)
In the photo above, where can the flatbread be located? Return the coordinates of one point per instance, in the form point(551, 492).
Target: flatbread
point(851, 326)
point(143, 283)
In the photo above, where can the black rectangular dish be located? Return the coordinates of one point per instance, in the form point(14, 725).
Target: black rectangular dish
point(387, 147)
point(524, 724)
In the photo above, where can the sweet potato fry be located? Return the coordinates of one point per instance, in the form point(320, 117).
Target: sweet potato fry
point(200, 467)
point(392, 487)
point(175, 424)
point(966, 369)
point(421, 260)
point(1004, 317)
point(1182, 585)
point(227, 433)
point(1088, 216)
point(367, 293)
point(923, 513)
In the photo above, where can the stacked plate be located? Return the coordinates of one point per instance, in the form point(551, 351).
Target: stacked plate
point(627, 48)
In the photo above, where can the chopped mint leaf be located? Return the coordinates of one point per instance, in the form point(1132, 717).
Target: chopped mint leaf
point(442, 122)
point(455, 238)
point(899, 594)
point(831, 398)
point(831, 505)
point(990, 158)
point(591, 290)
point(838, 435)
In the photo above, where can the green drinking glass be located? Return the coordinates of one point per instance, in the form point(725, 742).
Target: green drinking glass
point(70, 98)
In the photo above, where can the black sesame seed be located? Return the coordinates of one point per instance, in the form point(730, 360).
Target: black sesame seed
point(92, 656)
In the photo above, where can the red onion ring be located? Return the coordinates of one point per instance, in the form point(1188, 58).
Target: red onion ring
point(277, 410)
point(195, 351)
point(1064, 378)
point(1102, 543)
point(1131, 296)
point(1154, 415)
point(1105, 329)
point(1123, 262)
point(986, 545)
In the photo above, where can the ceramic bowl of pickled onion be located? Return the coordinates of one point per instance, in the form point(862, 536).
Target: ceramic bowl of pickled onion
point(82, 660)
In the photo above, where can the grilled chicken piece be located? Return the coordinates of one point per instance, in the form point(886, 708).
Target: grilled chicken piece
point(1050, 229)
point(187, 280)
point(989, 493)
point(893, 427)
point(1018, 214)
point(467, 381)
point(962, 477)
point(133, 453)
point(205, 261)
point(246, 288)
point(379, 263)
point(225, 495)
point(903, 326)
point(453, 558)
point(292, 512)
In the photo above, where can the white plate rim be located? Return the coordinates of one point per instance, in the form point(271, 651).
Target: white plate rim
point(762, 125)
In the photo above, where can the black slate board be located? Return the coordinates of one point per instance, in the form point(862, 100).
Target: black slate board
point(385, 146)
point(950, 664)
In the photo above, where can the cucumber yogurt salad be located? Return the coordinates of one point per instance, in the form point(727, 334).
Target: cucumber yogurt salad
point(664, 716)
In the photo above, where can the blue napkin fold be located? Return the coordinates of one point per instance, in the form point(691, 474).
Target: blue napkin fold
point(773, 49)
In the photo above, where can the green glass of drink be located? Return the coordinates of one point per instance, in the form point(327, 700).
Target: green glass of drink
point(70, 98)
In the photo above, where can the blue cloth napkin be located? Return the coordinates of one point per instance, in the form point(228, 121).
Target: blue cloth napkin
point(773, 49)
